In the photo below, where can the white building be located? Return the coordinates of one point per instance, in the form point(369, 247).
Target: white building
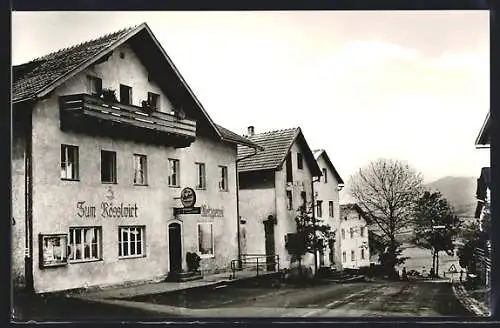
point(327, 206)
point(355, 252)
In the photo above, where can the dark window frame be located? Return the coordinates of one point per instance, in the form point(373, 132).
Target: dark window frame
point(112, 166)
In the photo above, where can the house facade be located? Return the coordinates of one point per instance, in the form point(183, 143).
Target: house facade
point(273, 184)
point(328, 208)
point(483, 208)
point(109, 189)
point(354, 245)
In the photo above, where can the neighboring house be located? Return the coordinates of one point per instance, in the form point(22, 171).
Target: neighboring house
point(97, 180)
point(355, 250)
point(327, 197)
point(483, 212)
point(273, 184)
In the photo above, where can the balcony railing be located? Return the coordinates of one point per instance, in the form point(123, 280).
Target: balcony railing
point(90, 114)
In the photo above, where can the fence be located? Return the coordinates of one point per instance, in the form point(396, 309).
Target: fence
point(258, 262)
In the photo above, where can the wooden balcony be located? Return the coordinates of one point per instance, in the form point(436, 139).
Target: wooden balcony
point(91, 115)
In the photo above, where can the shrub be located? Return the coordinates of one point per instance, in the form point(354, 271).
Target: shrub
point(193, 261)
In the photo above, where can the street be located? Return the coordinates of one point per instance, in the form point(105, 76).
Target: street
point(416, 298)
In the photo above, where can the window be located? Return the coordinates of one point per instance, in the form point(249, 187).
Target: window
point(300, 165)
point(351, 232)
point(140, 169)
point(173, 178)
point(223, 178)
point(345, 218)
point(205, 239)
point(108, 166)
point(289, 200)
point(343, 233)
point(131, 241)
point(330, 208)
point(353, 256)
point(344, 257)
point(53, 250)
point(125, 94)
point(362, 253)
point(325, 177)
point(319, 210)
point(69, 162)
point(362, 231)
point(154, 100)
point(85, 244)
point(201, 182)
point(94, 85)
point(289, 168)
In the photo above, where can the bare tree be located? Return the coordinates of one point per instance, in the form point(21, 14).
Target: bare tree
point(387, 191)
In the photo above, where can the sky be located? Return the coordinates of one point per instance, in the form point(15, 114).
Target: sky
point(412, 86)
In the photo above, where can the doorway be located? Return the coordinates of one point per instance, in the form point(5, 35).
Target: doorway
point(269, 241)
point(175, 247)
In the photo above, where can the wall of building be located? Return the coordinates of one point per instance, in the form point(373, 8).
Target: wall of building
point(329, 192)
point(55, 201)
point(354, 221)
point(286, 217)
point(18, 226)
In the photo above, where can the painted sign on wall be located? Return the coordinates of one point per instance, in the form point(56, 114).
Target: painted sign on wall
point(207, 211)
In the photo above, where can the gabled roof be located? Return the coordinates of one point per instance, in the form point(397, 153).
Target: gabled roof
point(484, 136)
point(230, 136)
point(321, 152)
point(276, 146)
point(39, 77)
point(353, 206)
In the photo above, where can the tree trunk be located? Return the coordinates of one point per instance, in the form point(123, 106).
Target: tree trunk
point(433, 260)
point(437, 264)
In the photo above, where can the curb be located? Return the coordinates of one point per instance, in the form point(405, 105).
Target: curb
point(470, 303)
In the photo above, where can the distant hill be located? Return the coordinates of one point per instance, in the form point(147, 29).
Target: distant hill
point(459, 191)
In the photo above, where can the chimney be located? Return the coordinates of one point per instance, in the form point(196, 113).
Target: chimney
point(251, 130)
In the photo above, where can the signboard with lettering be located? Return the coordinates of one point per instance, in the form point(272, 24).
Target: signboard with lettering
point(107, 209)
point(186, 210)
point(207, 211)
point(188, 197)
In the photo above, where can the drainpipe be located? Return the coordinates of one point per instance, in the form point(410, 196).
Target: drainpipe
point(28, 199)
point(238, 204)
point(314, 226)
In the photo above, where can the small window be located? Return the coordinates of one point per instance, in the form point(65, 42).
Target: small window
point(330, 209)
point(319, 206)
point(362, 231)
point(69, 162)
point(108, 166)
point(289, 204)
point(351, 232)
point(344, 256)
point(131, 241)
point(140, 169)
point(173, 178)
point(300, 165)
point(85, 244)
point(289, 167)
point(359, 216)
point(223, 178)
point(154, 100)
point(205, 239)
point(94, 85)
point(201, 182)
point(343, 233)
point(362, 253)
point(125, 94)
point(345, 218)
point(325, 177)
point(353, 256)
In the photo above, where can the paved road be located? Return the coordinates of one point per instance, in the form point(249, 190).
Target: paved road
point(422, 298)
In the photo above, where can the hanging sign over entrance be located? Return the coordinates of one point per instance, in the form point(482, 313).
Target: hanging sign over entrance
point(188, 199)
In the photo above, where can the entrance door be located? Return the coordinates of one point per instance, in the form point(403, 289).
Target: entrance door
point(174, 247)
point(269, 240)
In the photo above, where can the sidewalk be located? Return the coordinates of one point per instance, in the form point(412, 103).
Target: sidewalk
point(120, 292)
point(469, 302)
